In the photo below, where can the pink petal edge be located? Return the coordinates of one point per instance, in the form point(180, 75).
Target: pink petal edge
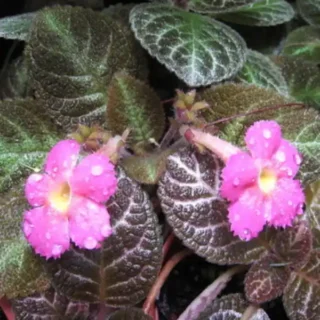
point(37, 188)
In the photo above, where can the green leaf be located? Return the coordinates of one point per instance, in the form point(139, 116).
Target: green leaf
point(53, 305)
point(130, 314)
point(301, 296)
point(14, 82)
point(17, 27)
point(119, 11)
point(123, 270)
point(299, 125)
point(262, 72)
point(133, 104)
point(25, 139)
point(215, 6)
point(33, 5)
point(263, 13)
point(309, 10)
point(73, 54)
point(21, 271)
point(303, 79)
point(197, 49)
point(304, 42)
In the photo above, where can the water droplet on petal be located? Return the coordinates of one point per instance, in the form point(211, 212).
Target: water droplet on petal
point(266, 145)
point(96, 170)
point(289, 172)
point(280, 156)
point(48, 235)
point(55, 169)
point(27, 229)
point(297, 159)
point(246, 235)
point(65, 163)
point(90, 243)
point(106, 230)
point(236, 182)
point(37, 177)
point(31, 196)
point(251, 141)
point(290, 203)
point(267, 134)
point(56, 250)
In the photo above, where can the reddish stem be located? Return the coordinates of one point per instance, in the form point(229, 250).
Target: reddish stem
point(167, 245)
point(167, 101)
point(5, 305)
point(155, 290)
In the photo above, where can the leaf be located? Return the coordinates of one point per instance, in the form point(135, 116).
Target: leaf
point(16, 27)
point(301, 296)
point(299, 125)
point(130, 314)
point(303, 79)
point(25, 139)
point(119, 11)
point(265, 282)
point(14, 83)
point(33, 5)
point(146, 169)
point(293, 245)
point(21, 271)
point(121, 273)
point(54, 306)
point(73, 54)
point(262, 72)
point(309, 10)
point(133, 104)
point(189, 197)
point(197, 49)
point(303, 42)
point(312, 213)
point(263, 13)
point(215, 6)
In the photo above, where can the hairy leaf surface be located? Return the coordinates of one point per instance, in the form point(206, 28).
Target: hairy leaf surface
point(309, 10)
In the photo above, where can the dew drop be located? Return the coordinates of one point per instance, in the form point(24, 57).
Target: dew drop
point(106, 230)
point(96, 170)
point(37, 177)
point(90, 243)
point(236, 182)
point(266, 134)
point(297, 159)
point(246, 235)
point(281, 157)
point(55, 169)
point(56, 250)
point(289, 172)
point(27, 229)
point(48, 235)
point(290, 203)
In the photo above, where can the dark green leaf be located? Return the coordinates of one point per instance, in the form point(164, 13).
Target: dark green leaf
point(189, 197)
point(16, 27)
point(262, 72)
point(263, 13)
point(309, 10)
point(303, 79)
point(14, 82)
point(299, 125)
point(130, 314)
point(54, 306)
point(304, 42)
point(73, 54)
point(197, 49)
point(32, 5)
point(133, 104)
point(301, 296)
point(25, 139)
point(21, 272)
point(123, 270)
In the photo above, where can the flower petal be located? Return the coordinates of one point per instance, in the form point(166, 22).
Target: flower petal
point(286, 160)
point(239, 173)
point(94, 177)
point(246, 214)
point(46, 231)
point(62, 158)
point(286, 202)
point(263, 139)
point(36, 189)
point(89, 223)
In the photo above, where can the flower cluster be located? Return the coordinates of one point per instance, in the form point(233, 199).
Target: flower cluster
point(68, 201)
point(260, 184)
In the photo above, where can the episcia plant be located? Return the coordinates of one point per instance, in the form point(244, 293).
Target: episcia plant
point(160, 160)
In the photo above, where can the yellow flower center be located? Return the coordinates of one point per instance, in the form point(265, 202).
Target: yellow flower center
point(267, 181)
point(59, 197)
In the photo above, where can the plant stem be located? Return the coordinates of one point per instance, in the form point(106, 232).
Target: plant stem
point(167, 245)
point(209, 294)
point(5, 305)
point(249, 312)
point(155, 290)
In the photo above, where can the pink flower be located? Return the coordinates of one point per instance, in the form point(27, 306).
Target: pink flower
point(68, 201)
point(260, 185)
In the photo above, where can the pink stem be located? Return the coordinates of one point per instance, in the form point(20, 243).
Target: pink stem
point(6, 307)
